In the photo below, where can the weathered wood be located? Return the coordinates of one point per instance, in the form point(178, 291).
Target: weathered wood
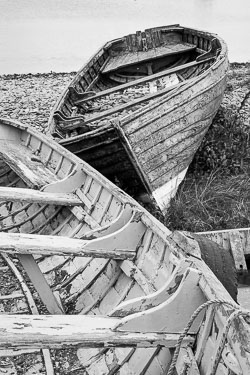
point(57, 332)
point(36, 196)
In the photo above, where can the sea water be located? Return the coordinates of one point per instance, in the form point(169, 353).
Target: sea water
point(60, 35)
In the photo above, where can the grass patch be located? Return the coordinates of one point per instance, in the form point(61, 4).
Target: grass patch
point(226, 146)
point(212, 202)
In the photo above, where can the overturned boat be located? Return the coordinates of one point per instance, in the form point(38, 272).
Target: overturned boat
point(139, 108)
point(91, 283)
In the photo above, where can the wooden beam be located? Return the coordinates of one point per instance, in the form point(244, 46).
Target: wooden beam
point(63, 331)
point(13, 243)
point(137, 82)
point(120, 244)
point(36, 196)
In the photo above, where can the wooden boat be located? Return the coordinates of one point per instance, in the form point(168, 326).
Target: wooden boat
point(91, 283)
point(138, 110)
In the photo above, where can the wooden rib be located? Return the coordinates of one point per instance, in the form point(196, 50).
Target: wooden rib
point(36, 196)
point(139, 81)
point(34, 310)
point(57, 332)
point(152, 300)
point(122, 219)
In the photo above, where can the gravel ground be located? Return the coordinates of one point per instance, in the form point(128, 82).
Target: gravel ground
point(29, 98)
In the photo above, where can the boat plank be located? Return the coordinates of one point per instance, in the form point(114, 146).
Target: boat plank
point(181, 155)
point(170, 146)
point(170, 127)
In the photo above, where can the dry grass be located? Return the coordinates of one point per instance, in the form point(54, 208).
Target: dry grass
point(213, 202)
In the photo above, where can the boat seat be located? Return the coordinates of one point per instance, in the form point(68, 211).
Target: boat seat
point(26, 165)
point(132, 58)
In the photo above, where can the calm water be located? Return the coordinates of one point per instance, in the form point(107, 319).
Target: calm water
point(59, 35)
